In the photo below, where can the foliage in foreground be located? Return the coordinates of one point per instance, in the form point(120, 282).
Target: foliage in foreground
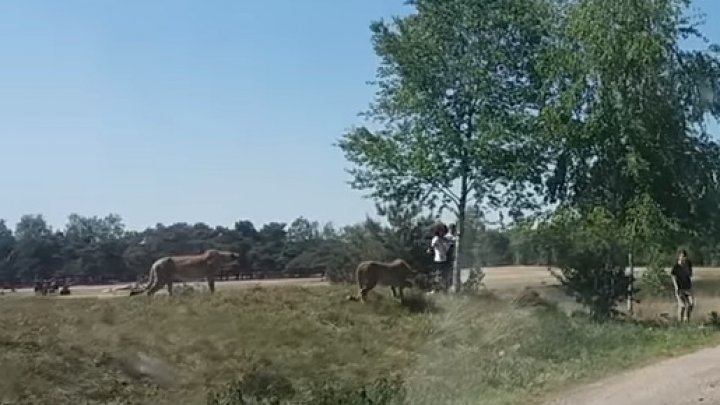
point(656, 281)
point(263, 386)
point(477, 348)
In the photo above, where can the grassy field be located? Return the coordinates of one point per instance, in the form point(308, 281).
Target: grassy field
point(460, 350)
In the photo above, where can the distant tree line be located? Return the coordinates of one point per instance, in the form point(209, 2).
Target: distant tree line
point(99, 249)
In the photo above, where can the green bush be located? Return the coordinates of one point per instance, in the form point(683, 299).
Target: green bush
point(260, 386)
point(418, 303)
point(530, 298)
point(598, 286)
point(656, 280)
point(264, 387)
point(712, 320)
point(591, 258)
point(474, 283)
point(383, 391)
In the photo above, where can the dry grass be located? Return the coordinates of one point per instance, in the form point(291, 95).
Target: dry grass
point(63, 351)
point(175, 349)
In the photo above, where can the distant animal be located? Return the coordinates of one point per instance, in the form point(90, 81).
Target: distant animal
point(187, 268)
point(396, 274)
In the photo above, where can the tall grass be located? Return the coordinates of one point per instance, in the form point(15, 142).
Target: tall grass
point(304, 344)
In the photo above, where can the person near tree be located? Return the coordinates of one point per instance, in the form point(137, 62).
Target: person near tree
point(440, 246)
point(681, 275)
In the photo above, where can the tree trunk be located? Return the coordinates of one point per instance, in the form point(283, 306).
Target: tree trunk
point(631, 265)
point(462, 206)
point(631, 286)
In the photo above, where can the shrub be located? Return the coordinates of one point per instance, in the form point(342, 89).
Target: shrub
point(655, 280)
point(474, 283)
point(530, 298)
point(591, 261)
point(383, 391)
point(262, 387)
point(595, 282)
point(418, 303)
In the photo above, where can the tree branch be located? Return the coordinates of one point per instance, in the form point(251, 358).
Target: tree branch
point(449, 194)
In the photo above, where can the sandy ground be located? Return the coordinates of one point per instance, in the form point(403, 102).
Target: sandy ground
point(505, 278)
point(122, 290)
point(533, 276)
point(517, 277)
point(685, 380)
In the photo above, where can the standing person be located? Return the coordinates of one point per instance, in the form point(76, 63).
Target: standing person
point(681, 275)
point(440, 246)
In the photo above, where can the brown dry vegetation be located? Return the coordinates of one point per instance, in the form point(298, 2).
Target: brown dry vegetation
point(177, 349)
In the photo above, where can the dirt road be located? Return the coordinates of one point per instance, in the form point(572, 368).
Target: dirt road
point(120, 290)
point(685, 380)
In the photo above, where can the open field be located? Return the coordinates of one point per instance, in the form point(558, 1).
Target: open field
point(507, 277)
point(451, 350)
point(504, 282)
point(499, 279)
point(119, 290)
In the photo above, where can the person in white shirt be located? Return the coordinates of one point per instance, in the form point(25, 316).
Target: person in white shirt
point(441, 246)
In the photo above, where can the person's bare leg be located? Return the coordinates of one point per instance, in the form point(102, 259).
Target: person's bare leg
point(681, 308)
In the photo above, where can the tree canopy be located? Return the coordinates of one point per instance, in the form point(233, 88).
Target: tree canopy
point(451, 125)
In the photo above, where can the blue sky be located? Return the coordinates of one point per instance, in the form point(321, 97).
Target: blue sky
point(174, 110)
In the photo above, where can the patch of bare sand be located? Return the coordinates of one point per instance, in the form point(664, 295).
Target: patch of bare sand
point(685, 380)
point(115, 290)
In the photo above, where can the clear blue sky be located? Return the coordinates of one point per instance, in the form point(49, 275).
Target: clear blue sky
point(174, 110)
